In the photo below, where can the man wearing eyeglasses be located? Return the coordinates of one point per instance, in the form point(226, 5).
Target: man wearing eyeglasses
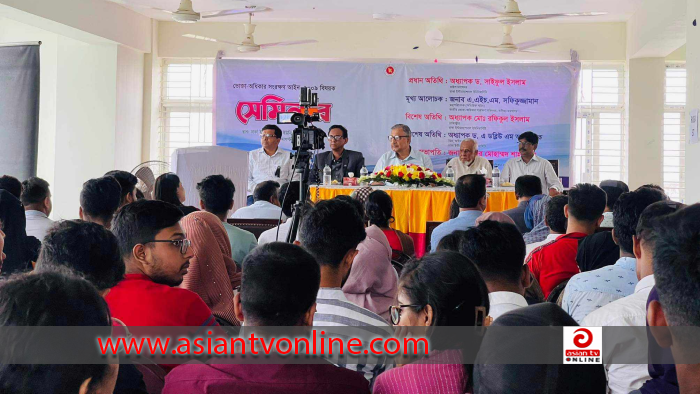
point(340, 160)
point(530, 164)
point(469, 161)
point(269, 163)
point(401, 152)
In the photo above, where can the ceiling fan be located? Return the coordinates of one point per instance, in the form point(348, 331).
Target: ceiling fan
point(186, 14)
point(511, 15)
point(507, 46)
point(248, 44)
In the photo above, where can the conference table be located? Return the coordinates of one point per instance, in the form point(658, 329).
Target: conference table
point(415, 207)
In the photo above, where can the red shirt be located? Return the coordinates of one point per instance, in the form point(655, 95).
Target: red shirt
point(138, 301)
point(394, 240)
point(555, 262)
point(264, 379)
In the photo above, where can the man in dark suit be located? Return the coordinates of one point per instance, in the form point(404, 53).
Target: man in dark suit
point(340, 160)
point(526, 187)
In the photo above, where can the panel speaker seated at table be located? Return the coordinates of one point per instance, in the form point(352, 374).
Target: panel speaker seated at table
point(469, 161)
point(341, 161)
point(401, 152)
point(530, 164)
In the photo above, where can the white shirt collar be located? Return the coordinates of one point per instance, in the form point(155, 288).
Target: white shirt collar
point(645, 283)
point(507, 297)
point(34, 213)
point(264, 204)
point(331, 293)
point(410, 154)
point(262, 150)
point(534, 158)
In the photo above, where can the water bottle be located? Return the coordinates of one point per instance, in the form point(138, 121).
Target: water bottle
point(450, 173)
point(363, 173)
point(496, 176)
point(326, 175)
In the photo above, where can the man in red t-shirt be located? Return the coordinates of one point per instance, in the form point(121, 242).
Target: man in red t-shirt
point(156, 254)
point(555, 262)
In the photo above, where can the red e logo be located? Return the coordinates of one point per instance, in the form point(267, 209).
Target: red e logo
point(390, 70)
point(584, 339)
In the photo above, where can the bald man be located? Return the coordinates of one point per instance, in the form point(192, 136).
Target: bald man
point(469, 161)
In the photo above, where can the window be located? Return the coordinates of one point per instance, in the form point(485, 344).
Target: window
point(187, 87)
point(674, 132)
point(600, 146)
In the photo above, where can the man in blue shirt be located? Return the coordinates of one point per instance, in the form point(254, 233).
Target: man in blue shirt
point(401, 151)
point(470, 193)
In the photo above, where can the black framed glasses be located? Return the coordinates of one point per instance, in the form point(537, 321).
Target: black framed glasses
point(335, 137)
point(396, 311)
point(183, 244)
point(266, 136)
point(397, 137)
point(525, 143)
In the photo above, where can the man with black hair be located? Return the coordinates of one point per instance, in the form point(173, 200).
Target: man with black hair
point(295, 276)
point(555, 262)
point(526, 187)
point(266, 206)
point(36, 198)
point(501, 267)
point(99, 200)
point(554, 219)
point(216, 196)
point(12, 185)
point(631, 311)
point(128, 182)
point(331, 232)
point(340, 160)
point(269, 163)
point(470, 194)
point(590, 290)
point(287, 195)
point(156, 253)
point(613, 189)
point(530, 164)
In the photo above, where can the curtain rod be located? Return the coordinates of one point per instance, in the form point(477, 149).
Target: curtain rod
point(17, 44)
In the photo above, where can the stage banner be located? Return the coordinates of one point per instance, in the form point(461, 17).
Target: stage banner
point(442, 104)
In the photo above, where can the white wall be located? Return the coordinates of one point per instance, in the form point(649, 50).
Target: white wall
point(692, 152)
point(129, 110)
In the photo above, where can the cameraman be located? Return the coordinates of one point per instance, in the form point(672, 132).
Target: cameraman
point(268, 163)
point(340, 160)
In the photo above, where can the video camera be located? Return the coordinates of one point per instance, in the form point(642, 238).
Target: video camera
point(304, 137)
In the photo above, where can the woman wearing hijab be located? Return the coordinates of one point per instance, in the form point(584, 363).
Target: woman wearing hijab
point(441, 289)
point(534, 218)
point(212, 273)
point(168, 188)
point(378, 208)
point(20, 249)
point(492, 376)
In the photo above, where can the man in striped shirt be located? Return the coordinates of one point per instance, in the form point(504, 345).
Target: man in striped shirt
point(331, 231)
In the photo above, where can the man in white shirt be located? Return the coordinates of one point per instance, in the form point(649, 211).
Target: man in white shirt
point(269, 163)
point(555, 219)
point(266, 205)
point(530, 164)
point(469, 161)
point(36, 198)
point(288, 195)
point(613, 189)
point(631, 311)
point(501, 267)
point(401, 151)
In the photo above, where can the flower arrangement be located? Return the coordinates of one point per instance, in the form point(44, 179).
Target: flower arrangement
point(410, 174)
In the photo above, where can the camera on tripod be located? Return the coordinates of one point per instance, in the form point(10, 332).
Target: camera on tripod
point(304, 137)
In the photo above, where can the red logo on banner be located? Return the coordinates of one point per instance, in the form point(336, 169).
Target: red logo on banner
point(584, 339)
point(390, 70)
point(270, 104)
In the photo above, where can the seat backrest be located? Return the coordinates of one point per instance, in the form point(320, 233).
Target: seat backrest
point(555, 165)
point(557, 291)
point(429, 227)
point(255, 226)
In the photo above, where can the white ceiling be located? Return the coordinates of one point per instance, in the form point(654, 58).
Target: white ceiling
point(417, 10)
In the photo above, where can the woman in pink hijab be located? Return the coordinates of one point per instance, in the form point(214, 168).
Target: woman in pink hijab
point(212, 273)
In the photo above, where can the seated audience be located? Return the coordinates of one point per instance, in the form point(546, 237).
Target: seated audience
point(12, 185)
point(526, 187)
point(212, 273)
point(36, 199)
point(590, 290)
point(156, 254)
point(662, 367)
point(613, 190)
point(331, 231)
point(378, 208)
point(294, 275)
point(470, 193)
point(20, 250)
point(450, 242)
point(492, 376)
point(537, 210)
point(554, 219)
point(676, 261)
point(494, 217)
point(454, 208)
point(128, 182)
point(441, 289)
point(168, 188)
point(51, 299)
point(555, 262)
point(266, 205)
point(99, 200)
point(288, 194)
point(93, 252)
point(139, 194)
point(373, 281)
point(362, 193)
point(216, 196)
point(498, 251)
point(631, 311)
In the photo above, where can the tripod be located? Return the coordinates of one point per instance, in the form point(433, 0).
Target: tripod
point(302, 168)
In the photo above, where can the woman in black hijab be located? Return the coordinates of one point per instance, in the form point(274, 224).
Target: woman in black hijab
point(168, 188)
point(20, 249)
